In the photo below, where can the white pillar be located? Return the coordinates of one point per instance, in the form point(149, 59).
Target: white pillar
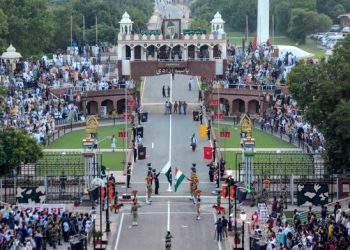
point(211, 53)
point(132, 55)
point(263, 21)
point(184, 54)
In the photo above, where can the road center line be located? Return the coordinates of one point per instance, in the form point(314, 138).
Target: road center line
point(119, 231)
point(168, 226)
point(143, 86)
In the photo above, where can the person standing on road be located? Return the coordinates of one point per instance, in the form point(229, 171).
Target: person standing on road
point(201, 117)
point(168, 90)
point(184, 106)
point(170, 107)
point(175, 107)
point(135, 152)
point(193, 142)
point(134, 212)
point(149, 189)
point(180, 107)
point(200, 97)
point(190, 84)
point(224, 227)
point(163, 91)
point(168, 238)
point(113, 144)
point(198, 208)
point(128, 175)
point(208, 132)
point(156, 181)
point(219, 230)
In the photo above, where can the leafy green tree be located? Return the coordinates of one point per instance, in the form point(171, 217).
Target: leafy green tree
point(3, 30)
point(303, 22)
point(29, 24)
point(200, 24)
point(16, 147)
point(323, 91)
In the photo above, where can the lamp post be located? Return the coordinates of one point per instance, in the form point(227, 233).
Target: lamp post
point(108, 228)
point(243, 217)
point(93, 229)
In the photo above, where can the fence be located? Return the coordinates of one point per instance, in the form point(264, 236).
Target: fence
point(284, 172)
point(56, 178)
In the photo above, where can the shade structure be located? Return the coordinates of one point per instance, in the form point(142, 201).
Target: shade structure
point(11, 54)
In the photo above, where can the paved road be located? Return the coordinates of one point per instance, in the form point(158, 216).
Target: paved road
point(167, 138)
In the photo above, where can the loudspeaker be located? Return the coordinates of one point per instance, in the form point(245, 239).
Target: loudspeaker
point(141, 153)
point(144, 117)
point(139, 131)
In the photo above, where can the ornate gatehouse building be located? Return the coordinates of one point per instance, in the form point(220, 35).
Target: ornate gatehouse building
point(171, 49)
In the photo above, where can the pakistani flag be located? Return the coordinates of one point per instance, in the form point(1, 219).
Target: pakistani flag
point(167, 171)
point(179, 177)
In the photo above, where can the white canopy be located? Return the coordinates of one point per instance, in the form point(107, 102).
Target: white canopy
point(299, 53)
point(217, 19)
point(126, 19)
point(11, 53)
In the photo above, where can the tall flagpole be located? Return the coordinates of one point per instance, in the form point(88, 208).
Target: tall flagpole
point(71, 31)
point(84, 30)
point(246, 26)
point(96, 30)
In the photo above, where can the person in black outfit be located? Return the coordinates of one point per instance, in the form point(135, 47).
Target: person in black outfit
point(168, 90)
point(156, 181)
point(211, 171)
point(135, 152)
point(214, 150)
point(208, 132)
point(139, 117)
point(163, 91)
point(201, 117)
point(128, 175)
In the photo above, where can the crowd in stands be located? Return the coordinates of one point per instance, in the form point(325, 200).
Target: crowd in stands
point(258, 66)
point(27, 229)
point(29, 103)
point(331, 230)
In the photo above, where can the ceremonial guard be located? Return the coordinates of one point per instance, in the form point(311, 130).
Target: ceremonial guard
point(134, 212)
point(198, 203)
point(156, 181)
point(211, 173)
point(128, 175)
point(149, 189)
point(193, 182)
point(168, 237)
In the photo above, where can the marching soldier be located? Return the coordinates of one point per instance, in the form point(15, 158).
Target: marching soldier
point(149, 171)
point(193, 183)
point(53, 234)
point(168, 237)
point(128, 175)
point(134, 212)
point(149, 189)
point(198, 205)
point(156, 181)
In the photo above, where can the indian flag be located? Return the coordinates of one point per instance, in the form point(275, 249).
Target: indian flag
point(179, 177)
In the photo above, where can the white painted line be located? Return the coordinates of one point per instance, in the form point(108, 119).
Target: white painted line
point(119, 231)
point(198, 82)
point(168, 224)
point(152, 145)
point(143, 86)
point(150, 213)
point(219, 242)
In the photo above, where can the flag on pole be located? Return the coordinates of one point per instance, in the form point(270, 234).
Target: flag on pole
point(203, 131)
point(208, 153)
point(179, 177)
point(167, 171)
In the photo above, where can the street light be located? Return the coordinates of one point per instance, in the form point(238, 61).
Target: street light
point(93, 229)
point(243, 217)
point(108, 228)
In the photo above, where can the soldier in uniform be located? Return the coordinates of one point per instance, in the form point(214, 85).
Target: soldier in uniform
point(149, 189)
point(53, 231)
point(149, 171)
point(198, 205)
point(156, 181)
point(193, 183)
point(134, 212)
point(211, 171)
point(128, 175)
point(168, 237)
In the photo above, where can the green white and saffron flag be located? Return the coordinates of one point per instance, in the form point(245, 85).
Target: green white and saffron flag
point(167, 171)
point(179, 177)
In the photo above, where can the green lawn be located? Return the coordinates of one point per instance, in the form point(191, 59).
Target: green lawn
point(262, 139)
point(310, 45)
point(113, 160)
point(73, 140)
point(272, 163)
point(52, 164)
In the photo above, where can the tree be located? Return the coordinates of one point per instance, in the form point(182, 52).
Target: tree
point(16, 147)
point(303, 22)
point(3, 30)
point(30, 25)
point(323, 91)
point(200, 24)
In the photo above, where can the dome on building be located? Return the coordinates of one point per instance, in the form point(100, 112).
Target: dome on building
point(217, 19)
point(126, 19)
point(11, 53)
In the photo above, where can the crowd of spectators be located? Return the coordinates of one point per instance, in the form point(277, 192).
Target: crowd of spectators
point(254, 67)
point(28, 229)
point(331, 230)
point(30, 103)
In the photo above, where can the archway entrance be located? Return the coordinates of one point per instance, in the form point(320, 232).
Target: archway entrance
point(121, 106)
point(92, 108)
point(238, 106)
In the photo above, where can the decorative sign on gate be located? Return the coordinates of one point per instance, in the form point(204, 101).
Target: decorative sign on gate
point(246, 126)
point(225, 134)
point(47, 208)
point(91, 127)
point(214, 102)
point(219, 116)
point(131, 103)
